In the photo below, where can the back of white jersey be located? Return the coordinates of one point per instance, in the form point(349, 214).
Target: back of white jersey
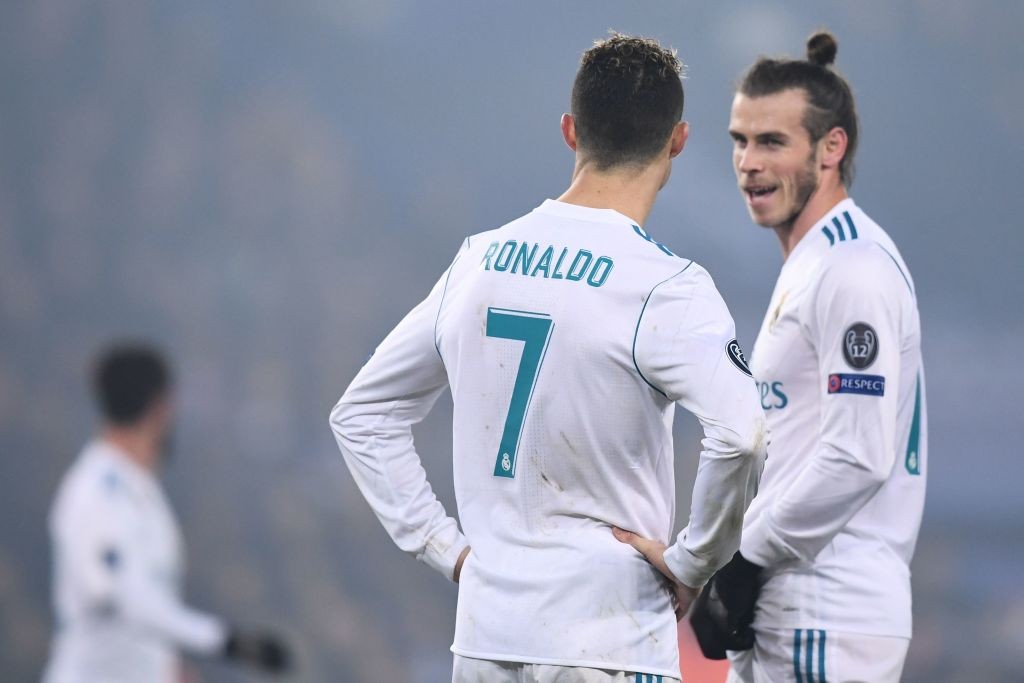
point(838, 363)
point(567, 336)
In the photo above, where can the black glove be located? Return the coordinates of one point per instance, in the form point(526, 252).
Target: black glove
point(260, 649)
point(724, 610)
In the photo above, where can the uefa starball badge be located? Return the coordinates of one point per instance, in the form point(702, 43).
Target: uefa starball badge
point(736, 356)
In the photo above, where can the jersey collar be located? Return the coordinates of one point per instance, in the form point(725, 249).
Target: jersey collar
point(553, 207)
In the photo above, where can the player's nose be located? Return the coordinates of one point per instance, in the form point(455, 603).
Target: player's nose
point(748, 161)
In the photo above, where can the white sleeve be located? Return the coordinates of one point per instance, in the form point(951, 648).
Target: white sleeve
point(685, 348)
point(116, 581)
point(373, 425)
point(854, 314)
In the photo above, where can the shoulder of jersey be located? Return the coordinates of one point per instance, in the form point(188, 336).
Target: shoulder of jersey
point(646, 237)
point(484, 235)
point(89, 484)
point(857, 255)
point(844, 229)
point(687, 280)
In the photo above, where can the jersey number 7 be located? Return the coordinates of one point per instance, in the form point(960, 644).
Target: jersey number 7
point(534, 330)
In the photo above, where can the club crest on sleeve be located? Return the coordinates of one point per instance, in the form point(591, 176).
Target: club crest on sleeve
point(735, 353)
point(865, 385)
point(860, 345)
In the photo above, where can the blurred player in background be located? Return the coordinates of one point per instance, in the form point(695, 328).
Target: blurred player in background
point(829, 538)
point(567, 337)
point(118, 561)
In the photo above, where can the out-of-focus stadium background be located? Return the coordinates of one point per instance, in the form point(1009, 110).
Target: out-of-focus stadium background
point(265, 188)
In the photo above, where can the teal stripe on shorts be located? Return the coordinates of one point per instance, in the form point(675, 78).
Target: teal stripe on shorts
point(821, 656)
point(810, 656)
point(796, 655)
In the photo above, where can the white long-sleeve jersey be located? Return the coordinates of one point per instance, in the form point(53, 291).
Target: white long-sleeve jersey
point(838, 364)
point(117, 577)
point(567, 337)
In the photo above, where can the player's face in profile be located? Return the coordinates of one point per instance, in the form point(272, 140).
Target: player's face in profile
point(774, 159)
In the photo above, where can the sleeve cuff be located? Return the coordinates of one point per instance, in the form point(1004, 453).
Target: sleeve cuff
point(687, 567)
point(218, 636)
point(760, 545)
point(206, 634)
point(443, 549)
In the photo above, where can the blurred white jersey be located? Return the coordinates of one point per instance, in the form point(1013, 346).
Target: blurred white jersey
point(838, 364)
point(117, 574)
point(567, 337)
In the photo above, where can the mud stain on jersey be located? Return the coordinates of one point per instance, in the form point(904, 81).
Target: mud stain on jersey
point(553, 484)
point(629, 613)
point(568, 443)
point(535, 461)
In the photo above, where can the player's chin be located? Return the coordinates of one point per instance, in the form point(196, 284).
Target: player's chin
point(764, 218)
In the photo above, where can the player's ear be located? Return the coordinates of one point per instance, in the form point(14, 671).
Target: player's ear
point(833, 147)
point(680, 133)
point(569, 130)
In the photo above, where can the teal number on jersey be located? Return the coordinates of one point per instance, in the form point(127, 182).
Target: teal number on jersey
point(534, 330)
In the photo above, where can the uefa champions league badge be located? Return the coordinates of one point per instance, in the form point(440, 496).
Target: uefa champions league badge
point(860, 345)
point(735, 353)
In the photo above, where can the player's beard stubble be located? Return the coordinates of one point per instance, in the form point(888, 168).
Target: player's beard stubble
point(806, 183)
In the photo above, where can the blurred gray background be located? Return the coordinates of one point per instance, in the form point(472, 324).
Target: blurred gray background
point(265, 188)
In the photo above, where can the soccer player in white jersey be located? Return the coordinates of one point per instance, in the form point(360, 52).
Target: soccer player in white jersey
point(567, 337)
point(117, 547)
point(829, 538)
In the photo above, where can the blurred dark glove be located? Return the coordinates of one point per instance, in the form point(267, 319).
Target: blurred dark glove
point(260, 649)
point(724, 610)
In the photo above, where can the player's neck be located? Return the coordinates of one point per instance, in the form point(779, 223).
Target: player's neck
point(134, 443)
point(631, 193)
point(820, 203)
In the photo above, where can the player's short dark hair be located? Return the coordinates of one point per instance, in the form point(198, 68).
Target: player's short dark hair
point(626, 99)
point(829, 97)
point(129, 378)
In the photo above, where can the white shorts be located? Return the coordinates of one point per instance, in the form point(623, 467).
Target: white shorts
point(469, 670)
point(816, 656)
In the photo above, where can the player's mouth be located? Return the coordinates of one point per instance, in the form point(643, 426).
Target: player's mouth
point(759, 195)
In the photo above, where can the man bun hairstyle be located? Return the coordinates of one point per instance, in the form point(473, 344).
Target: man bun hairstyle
point(626, 100)
point(822, 48)
point(128, 379)
point(830, 101)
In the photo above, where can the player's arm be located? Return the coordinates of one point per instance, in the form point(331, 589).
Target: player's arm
point(373, 425)
point(685, 348)
point(859, 292)
point(117, 584)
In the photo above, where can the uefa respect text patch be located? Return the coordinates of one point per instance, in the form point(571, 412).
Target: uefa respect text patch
point(866, 385)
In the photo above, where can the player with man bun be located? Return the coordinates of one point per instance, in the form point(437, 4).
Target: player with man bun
point(820, 589)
